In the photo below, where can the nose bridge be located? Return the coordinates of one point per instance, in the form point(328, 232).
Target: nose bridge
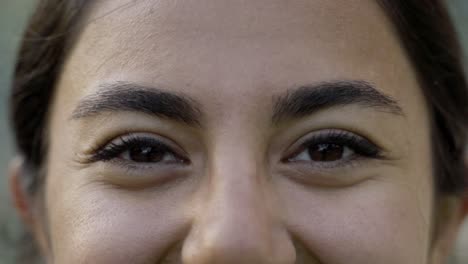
point(235, 222)
point(239, 199)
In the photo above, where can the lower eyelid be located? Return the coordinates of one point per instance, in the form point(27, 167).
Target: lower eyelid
point(141, 166)
point(313, 163)
point(329, 168)
point(138, 176)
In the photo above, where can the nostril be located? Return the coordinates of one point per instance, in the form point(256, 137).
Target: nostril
point(213, 243)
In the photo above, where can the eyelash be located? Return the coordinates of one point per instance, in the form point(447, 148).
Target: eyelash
point(361, 146)
point(122, 144)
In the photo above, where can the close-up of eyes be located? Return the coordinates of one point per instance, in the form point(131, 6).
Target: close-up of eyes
point(138, 148)
point(333, 148)
point(323, 148)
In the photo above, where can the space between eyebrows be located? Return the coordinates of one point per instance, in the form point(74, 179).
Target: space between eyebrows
point(308, 99)
point(130, 97)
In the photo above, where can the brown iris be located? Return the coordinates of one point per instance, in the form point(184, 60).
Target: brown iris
point(326, 152)
point(146, 154)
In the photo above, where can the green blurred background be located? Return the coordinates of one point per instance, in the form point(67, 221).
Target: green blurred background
point(13, 16)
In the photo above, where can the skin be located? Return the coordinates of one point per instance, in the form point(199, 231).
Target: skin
point(237, 201)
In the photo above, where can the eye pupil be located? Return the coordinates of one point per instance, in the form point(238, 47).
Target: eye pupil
point(326, 152)
point(145, 154)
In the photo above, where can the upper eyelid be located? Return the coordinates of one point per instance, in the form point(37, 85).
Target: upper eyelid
point(347, 133)
point(304, 141)
point(171, 144)
point(171, 147)
point(310, 136)
point(348, 138)
point(103, 138)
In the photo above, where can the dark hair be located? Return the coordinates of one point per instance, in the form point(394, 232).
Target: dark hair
point(427, 33)
point(423, 26)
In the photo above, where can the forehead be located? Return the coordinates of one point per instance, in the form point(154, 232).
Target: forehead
point(235, 46)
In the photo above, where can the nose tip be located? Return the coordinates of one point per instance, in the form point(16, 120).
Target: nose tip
point(233, 240)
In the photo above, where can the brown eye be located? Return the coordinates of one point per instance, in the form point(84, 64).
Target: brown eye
point(148, 152)
point(145, 154)
point(326, 152)
point(139, 149)
point(334, 147)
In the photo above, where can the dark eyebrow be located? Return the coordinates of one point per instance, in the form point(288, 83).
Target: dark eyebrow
point(305, 100)
point(122, 96)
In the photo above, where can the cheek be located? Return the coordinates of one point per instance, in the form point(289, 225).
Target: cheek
point(97, 223)
point(372, 222)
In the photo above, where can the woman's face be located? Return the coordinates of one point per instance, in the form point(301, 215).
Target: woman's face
point(217, 131)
